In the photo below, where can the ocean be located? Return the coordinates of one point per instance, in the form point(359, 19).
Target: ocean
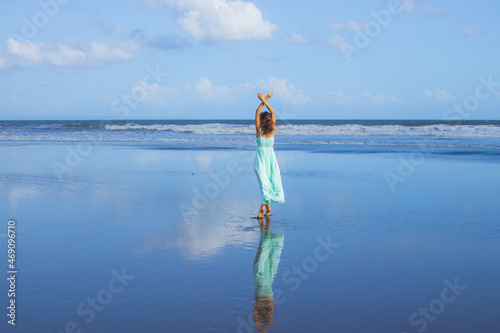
point(318, 135)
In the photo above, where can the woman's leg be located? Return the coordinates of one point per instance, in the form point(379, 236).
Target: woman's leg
point(268, 209)
point(261, 211)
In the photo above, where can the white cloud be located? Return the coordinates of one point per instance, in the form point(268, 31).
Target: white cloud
point(298, 38)
point(68, 54)
point(410, 7)
point(63, 56)
point(111, 28)
point(166, 42)
point(117, 29)
point(469, 31)
point(208, 90)
point(2, 62)
point(341, 43)
point(350, 25)
point(374, 98)
point(29, 51)
point(104, 52)
point(339, 97)
point(220, 19)
point(393, 98)
point(336, 41)
point(22, 88)
point(439, 94)
point(428, 9)
point(283, 90)
point(153, 90)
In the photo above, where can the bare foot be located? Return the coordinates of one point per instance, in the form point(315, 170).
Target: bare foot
point(261, 213)
point(268, 212)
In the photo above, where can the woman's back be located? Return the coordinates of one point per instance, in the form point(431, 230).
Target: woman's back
point(265, 142)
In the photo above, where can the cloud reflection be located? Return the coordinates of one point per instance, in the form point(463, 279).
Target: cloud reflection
point(205, 235)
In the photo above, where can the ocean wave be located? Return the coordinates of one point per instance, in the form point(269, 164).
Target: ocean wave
point(203, 129)
point(48, 126)
point(438, 130)
point(235, 142)
point(77, 124)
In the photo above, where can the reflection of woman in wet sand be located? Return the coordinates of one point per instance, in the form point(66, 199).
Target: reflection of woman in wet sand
point(265, 267)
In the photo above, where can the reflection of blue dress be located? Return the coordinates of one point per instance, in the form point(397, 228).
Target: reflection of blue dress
point(268, 172)
point(266, 262)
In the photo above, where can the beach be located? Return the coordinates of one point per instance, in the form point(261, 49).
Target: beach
point(141, 141)
point(148, 238)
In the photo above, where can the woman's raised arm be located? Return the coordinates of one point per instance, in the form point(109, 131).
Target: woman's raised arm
point(269, 107)
point(257, 112)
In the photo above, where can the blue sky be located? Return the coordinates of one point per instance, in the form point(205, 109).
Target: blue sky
point(207, 59)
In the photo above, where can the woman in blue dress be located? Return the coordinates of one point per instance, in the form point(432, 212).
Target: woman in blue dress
point(265, 164)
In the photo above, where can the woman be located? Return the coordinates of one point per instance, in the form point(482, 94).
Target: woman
point(265, 164)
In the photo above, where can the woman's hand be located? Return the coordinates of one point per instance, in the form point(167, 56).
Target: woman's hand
point(264, 102)
point(262, 98)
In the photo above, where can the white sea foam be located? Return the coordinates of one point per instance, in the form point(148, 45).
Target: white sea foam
point(242, 133)
point(233, 142)
point(48, 126)
point(214, 128)
point(438, 130)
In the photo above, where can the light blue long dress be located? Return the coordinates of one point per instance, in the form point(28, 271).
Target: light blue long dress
point(266, 262)
point(265, 267)
point(268, 172)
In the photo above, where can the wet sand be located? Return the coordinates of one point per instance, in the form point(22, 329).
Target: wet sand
point(135, 239)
